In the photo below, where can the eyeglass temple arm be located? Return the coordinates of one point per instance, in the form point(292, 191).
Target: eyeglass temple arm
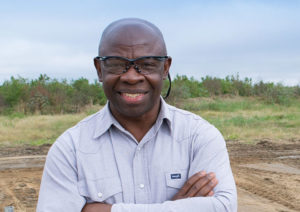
point(169, 89)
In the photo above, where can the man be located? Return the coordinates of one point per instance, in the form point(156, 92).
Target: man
point(137, 153)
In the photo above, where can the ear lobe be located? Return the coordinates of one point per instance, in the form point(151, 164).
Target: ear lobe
point(98, 68)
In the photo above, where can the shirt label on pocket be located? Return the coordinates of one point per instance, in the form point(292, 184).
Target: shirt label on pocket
point(176, 176)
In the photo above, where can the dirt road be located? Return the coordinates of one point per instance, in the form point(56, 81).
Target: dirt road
point(267, 176)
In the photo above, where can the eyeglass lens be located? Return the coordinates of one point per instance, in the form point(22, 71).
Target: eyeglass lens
point(143, 65)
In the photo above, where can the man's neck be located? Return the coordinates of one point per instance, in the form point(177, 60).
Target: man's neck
point(138, 126)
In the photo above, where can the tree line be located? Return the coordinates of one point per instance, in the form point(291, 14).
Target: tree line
point(51, 96)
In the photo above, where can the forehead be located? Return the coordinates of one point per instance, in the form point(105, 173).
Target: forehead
point(132, 41)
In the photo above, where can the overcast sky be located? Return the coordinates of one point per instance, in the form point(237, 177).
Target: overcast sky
point(258, 39)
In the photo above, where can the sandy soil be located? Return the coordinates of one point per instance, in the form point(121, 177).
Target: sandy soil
point(267, 176)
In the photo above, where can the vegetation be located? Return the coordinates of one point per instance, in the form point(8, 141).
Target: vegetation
point(246, 119)
point(271, 93)
point(38, 111)
point(51, 96)
point(48, 96)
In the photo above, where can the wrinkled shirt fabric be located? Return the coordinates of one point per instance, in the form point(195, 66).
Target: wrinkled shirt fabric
point(99, 161)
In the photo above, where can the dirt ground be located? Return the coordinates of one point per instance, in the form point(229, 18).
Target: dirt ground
point(267, 176)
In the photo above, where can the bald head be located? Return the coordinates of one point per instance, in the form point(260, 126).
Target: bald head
point(131, 33)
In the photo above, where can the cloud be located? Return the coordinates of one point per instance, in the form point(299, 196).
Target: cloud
point(28, 58)
point(257, 39)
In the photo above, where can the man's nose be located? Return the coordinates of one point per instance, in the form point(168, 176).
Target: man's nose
point(132, 75)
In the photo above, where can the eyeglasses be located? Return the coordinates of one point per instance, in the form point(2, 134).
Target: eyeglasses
point(144, 65)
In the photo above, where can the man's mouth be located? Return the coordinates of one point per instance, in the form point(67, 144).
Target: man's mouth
point(132, 97)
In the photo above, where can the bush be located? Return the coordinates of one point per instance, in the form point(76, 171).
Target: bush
point(184, 87)
point(50, 96)
point(278, 94)
point(212, 85)
point(297, 91)
point(14, 91)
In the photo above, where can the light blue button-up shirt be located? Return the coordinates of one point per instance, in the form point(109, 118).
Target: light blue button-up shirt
point(99, 161)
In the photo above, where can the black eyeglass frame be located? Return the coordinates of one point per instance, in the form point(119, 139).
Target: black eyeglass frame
point(103, 58)
point(131, 62)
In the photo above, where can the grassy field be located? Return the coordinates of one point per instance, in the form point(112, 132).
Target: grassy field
point(247, 120)
point(18, 129)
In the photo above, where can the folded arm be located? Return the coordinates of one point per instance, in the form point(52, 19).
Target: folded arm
point(58, 191)
point(211, 156)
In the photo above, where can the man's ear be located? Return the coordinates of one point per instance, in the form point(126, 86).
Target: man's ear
point(98, 68)
point(167, 66)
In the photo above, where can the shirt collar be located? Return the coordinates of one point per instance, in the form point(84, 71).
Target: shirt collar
point(105, 119)
point(164, 113)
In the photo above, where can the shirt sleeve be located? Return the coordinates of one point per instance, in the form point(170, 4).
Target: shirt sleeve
point(209, 153)
point(58, 191)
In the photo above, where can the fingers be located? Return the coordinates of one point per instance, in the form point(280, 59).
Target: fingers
point(208, 188)
point(210, 194)
point(200, 184)
point(203, 186)
point(96, 207)
point(188, 185)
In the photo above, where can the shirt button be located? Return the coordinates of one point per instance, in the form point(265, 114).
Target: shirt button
point(139, 148)
point(100, 194)
point(142, 185)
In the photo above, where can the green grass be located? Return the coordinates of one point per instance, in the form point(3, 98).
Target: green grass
point(42, 141)
point(224, 105)
point(37, 129)
point(247, 120)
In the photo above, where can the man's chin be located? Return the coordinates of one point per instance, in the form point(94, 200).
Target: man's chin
point(133, 112)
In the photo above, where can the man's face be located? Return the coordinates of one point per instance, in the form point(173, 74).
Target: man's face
point(132, 94)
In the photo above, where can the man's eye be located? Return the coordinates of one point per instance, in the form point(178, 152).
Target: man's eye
point(114, 65)
point(149, 64)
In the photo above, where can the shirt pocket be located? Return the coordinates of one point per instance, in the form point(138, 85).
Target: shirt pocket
point(106, 190)
point(174, 181)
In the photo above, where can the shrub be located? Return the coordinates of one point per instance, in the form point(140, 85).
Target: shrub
point(212, 85)
point(14, 91)
point(48, 96)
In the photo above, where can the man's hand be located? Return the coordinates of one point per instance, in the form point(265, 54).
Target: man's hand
point(96, 207)
point(200, 184)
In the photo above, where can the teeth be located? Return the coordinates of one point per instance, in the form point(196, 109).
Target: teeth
point(132, 95)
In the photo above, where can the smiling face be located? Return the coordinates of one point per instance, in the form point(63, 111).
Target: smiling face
point(132, 94)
